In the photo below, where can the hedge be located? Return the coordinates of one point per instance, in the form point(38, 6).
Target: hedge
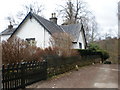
point(85, 52)
point(58, 65)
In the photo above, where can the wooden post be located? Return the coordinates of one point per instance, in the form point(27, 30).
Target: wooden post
point(2, 76)
point(45, 69)
point(22, 75)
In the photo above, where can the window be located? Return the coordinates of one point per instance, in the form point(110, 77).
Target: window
point(31, 41)
point(80, 45)
point(74, 42)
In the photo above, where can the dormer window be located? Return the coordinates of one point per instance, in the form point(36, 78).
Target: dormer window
point(31, 41)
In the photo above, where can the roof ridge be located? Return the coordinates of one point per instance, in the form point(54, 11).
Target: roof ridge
point(72, 24)
point(39, 20)
point(7, 31)
point(48, 25)
point(50, 22)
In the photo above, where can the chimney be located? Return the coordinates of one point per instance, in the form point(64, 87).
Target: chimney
point(53, 18)
point(10, 26)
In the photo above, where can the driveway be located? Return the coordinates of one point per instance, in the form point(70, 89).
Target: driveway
point(94, 76)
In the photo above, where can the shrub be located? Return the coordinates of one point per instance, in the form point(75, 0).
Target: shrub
point(61, 44)
point(54, 52)
point(93, 47)
point(38, 55)
point(85, 52)
point(17, 50)
point(104, 54)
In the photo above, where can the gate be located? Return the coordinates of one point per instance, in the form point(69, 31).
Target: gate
point(16, 76)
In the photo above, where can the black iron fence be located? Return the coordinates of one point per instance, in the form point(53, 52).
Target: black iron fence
point(20, 75)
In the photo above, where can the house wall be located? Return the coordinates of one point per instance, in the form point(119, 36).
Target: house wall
point(119, 19)
point(80, 40)
point(32, 29)
point(4, 37)
point(75, 46)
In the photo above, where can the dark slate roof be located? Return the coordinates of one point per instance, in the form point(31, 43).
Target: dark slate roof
point(8, 31)
point(50, 26)
point(73, 30)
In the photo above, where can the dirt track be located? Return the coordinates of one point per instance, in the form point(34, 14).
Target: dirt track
point(94, 76)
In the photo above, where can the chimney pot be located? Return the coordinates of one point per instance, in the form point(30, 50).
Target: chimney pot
point(53, 18)
point(10, 26)
point(52, 15)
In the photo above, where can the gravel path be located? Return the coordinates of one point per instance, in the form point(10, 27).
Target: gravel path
point(94, 76)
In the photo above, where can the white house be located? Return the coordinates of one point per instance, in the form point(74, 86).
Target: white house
point(37, 30)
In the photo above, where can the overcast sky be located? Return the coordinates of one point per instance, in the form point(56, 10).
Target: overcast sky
point(105, 12)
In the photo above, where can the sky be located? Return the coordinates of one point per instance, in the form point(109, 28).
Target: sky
point(105, 12)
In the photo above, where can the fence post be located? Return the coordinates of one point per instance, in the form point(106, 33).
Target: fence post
point(0, 78)
point(45, 69)
point(22, 75)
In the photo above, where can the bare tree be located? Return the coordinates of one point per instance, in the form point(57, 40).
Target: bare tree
point(17, 50)
point(12, 20)
point(63, 43)
point(34, 7)
point(76, 11)
point(93, 32)
point(62, 40)
point(111, 46)
point(68, 13)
